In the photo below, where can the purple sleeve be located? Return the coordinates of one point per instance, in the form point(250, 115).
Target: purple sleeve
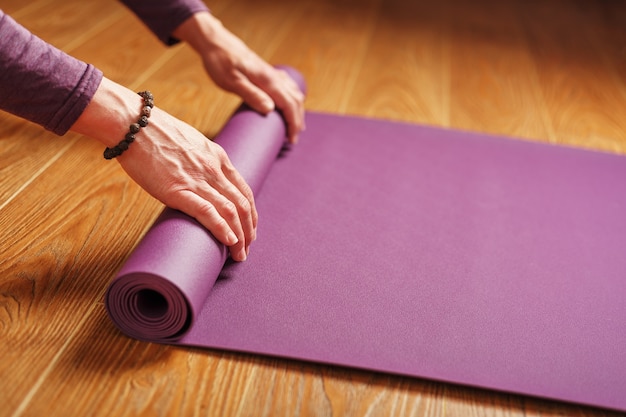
point(163, 17)
point(41, 83)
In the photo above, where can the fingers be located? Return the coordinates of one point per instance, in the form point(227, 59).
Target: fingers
point(231, 223)
point(287, 97)
point(246, 198)
point(244, 218)
point(236, 68)
point(252, 95)
point(265, 89)
point(238, 209)
point(224, 204)
point(210, 217)
point(291, 102)
point(179, 166)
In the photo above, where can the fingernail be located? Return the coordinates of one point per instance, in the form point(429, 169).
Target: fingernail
point(231, 238)
point(268, 106)
point(242, 255)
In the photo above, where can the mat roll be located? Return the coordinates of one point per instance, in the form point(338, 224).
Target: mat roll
point(163, 285)
point(454, 256)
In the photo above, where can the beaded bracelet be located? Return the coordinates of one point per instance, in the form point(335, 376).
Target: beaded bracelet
point(148, 104)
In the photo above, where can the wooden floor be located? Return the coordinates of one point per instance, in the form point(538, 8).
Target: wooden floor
point(548, 70)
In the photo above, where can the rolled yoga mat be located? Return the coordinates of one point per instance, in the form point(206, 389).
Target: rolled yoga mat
point(454, 256)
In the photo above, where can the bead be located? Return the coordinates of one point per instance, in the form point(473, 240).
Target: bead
point(109, 153)
point(146, 94)
point(146, 110)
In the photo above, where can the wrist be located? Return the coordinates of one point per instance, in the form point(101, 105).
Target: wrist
point(199, 31)
point(109, 113)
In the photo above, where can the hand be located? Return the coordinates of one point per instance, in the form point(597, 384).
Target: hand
point(186, 171)
point(176, 164)
point(236, 68)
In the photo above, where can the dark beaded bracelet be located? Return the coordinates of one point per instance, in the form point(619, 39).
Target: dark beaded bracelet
point(117, 150)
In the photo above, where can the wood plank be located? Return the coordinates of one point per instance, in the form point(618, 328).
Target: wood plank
point(327, 44)
point(405, 73)
point(25, 149)
point(124, 52)
point(68, 23)
point(60, 249)
point(611, 36)
point(493, 80)
point(584, 96)
point(17, 8)
point(158, 380)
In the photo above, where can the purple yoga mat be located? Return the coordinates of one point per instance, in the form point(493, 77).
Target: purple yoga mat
point(440, 254)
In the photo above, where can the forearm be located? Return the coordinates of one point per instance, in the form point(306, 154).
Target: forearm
point(41, 83)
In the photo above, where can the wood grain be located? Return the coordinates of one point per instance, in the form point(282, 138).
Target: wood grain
point(25, 151)
point(405, 72)
point(327, 43)
point(55, 270)
point(26, 148)
point(493, 81)
point(576, 73)
point(68, 23)
point(550, 71)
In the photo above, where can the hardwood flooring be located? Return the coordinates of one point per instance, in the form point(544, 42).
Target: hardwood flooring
point(552, 70)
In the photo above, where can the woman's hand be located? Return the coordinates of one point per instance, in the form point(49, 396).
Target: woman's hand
point(176, 164)
point(236, 68)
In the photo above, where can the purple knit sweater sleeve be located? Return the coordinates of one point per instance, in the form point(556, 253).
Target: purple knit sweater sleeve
point(40, 83)
point(162, 17)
